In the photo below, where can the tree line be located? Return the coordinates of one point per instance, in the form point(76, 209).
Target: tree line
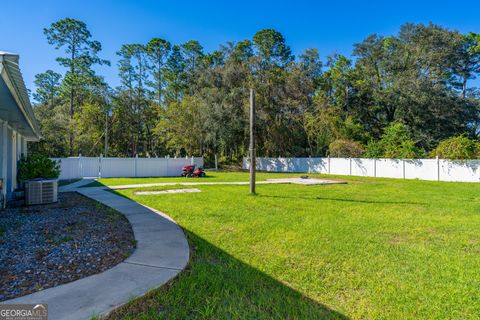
point(398, 96)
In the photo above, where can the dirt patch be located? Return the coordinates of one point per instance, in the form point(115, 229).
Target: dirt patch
point(47, 245)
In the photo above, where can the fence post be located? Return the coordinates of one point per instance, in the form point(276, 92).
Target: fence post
point(167, 169)
point(99, 173)
point(328, 164)
point(192, 161)
point(403, 168)
point(216, 162)
point(80, 165)
point(438, 168)
point(374, 167)
point(350, 166)
point(136, 163)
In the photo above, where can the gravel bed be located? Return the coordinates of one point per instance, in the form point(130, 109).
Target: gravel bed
point(47, 245)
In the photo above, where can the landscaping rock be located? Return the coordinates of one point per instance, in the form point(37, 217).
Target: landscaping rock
point(47, 245)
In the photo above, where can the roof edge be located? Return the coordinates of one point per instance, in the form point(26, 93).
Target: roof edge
point(9, 64)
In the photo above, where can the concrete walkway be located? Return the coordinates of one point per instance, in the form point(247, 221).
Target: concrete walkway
point(75, 185)
point(162, 252)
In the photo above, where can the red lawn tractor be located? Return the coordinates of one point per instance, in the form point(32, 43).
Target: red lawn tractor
point(191, 172)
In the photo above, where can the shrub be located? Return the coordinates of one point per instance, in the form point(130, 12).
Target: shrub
point(396, 142)
point(345, 148)
point(374, 150)
point(354, 131)
point(38, 166)
point(458, 147)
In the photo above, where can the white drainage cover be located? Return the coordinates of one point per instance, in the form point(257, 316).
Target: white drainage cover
point(188, 190)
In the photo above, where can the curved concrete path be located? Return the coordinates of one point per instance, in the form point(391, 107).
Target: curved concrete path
point(162, 252)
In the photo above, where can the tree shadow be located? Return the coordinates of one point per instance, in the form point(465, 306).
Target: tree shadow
point(344, 200)
point(217, 285)
point(361, 164)
point(293, 165)
point(451, 165)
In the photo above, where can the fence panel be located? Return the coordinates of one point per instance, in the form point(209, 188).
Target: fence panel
point(175, 165)
point(151, 167)
point(316, 165)
point(87, 167)
point(363, 167)
point(423, 169)
point(309, 165)
point(460, 171)
point(69, 168)
point(340, 166)
point(270, 164)
point(389, 168)
point(118, 167)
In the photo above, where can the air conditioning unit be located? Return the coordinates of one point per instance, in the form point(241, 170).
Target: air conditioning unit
point(41, 191)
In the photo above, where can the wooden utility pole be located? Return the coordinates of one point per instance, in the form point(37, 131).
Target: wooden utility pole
point(252, 142)
point(106, 134)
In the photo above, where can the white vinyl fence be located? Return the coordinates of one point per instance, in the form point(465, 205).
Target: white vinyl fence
point(82, 167)
point(423, 169)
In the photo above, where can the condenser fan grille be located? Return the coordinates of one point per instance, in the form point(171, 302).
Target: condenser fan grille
point(41, 192)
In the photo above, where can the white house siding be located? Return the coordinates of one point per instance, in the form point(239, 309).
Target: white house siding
point(4, 155)
point(12, 146)
point(10, 158)
point(17, 121)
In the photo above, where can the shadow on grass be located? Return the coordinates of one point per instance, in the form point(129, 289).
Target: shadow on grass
point(216, 285)
point(343, 200)
point(66, 182)
point(93, 184)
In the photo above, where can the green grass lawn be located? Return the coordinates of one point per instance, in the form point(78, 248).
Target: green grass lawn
point(371, 249)
point(212, 176)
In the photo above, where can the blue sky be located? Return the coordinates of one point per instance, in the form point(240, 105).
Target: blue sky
point(330, 26)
